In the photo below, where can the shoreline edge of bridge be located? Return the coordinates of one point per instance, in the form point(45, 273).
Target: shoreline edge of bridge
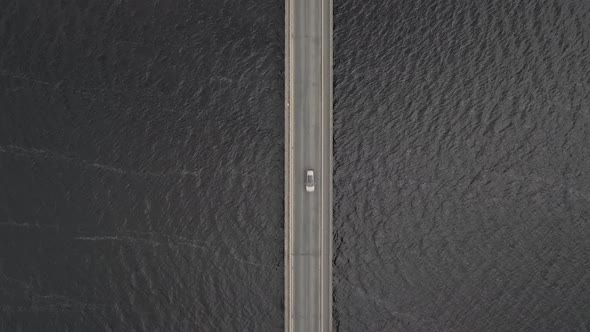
point(288, 165)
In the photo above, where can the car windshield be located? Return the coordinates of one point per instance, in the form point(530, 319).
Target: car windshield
point(310, 178)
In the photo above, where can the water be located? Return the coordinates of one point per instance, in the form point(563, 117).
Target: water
point(141, 165)
point(462, 194)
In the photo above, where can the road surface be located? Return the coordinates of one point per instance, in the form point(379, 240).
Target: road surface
point(308, 252)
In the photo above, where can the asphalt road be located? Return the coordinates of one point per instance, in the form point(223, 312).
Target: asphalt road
point(309, 146)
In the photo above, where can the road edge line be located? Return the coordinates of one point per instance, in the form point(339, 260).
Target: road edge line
point(288, 169)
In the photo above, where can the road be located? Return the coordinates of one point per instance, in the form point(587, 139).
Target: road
point(308, 124)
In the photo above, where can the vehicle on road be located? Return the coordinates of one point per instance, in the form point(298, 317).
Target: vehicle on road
point(309, 181)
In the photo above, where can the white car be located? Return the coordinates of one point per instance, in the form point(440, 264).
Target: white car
point(309, 181)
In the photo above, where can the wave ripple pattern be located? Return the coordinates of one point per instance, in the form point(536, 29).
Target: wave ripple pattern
point(462, 158)
point(141, 165)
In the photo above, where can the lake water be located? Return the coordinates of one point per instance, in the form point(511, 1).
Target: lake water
point(462, 150)
point(141, 165)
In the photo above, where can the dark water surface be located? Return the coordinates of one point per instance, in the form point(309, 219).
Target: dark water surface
point(462, 152)
point(141, 165)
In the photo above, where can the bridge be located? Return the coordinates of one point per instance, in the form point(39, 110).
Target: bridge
point(308, 140)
